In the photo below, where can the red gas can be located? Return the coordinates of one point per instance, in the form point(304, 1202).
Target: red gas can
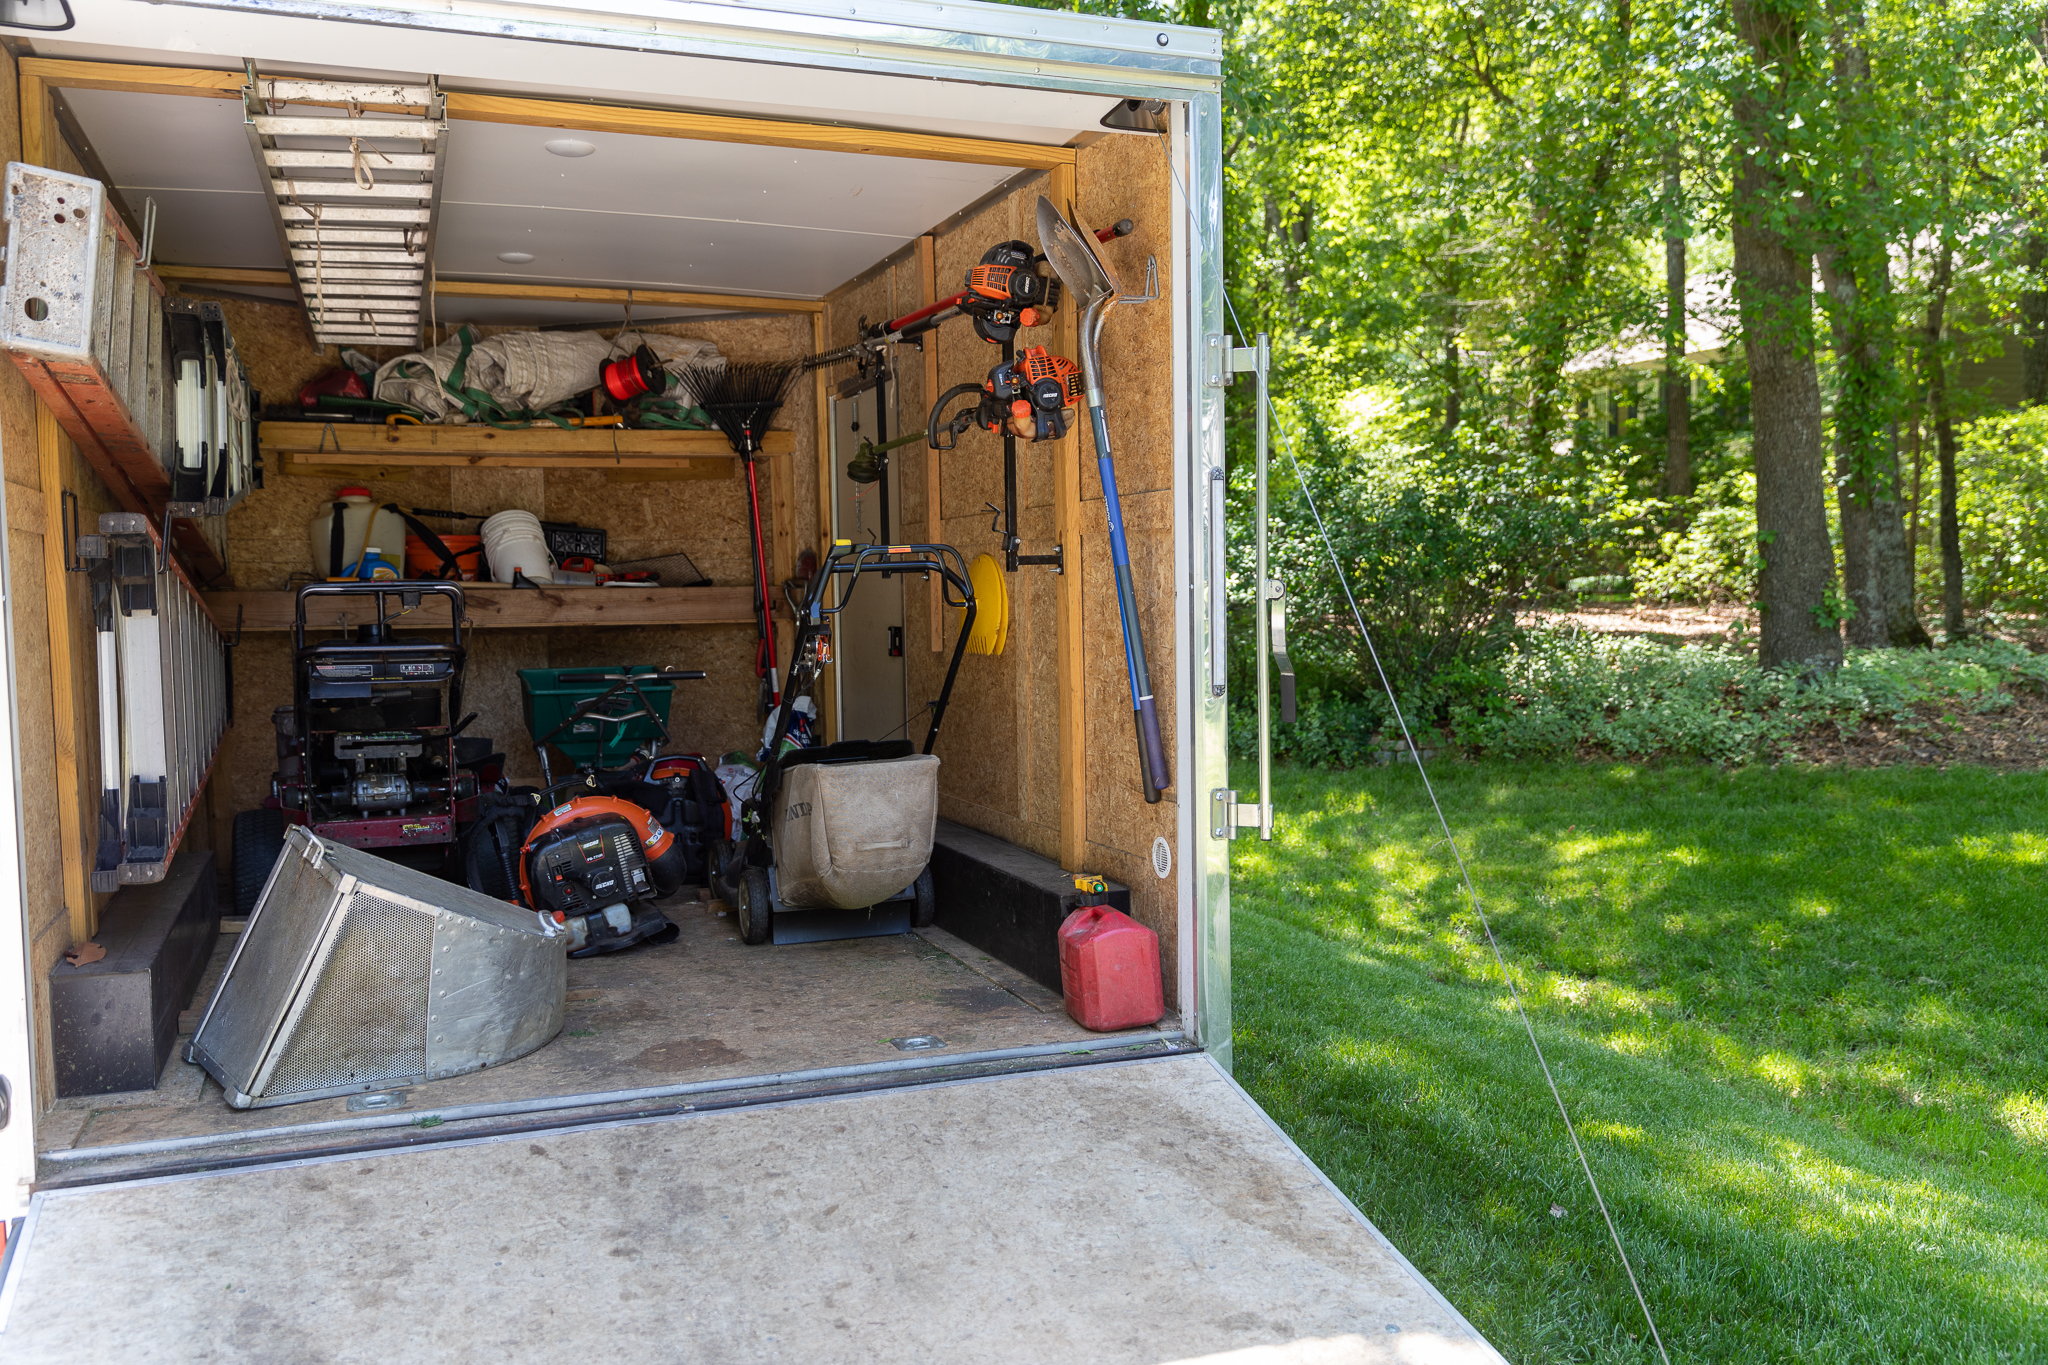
point(1109, 970)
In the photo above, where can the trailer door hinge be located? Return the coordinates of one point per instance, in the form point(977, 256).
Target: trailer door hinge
point(1222, 360)
point(1227, 815)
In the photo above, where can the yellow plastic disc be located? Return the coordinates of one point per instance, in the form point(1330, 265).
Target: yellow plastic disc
point(991, 606)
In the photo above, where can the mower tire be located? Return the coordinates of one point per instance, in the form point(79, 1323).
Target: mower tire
point(258, 839)
point(756, 912)
point(927, 908)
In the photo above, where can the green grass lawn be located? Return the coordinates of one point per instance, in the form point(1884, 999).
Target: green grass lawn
point(1801, 1017)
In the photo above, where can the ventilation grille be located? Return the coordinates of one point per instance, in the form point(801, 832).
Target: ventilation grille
point(366, 1018)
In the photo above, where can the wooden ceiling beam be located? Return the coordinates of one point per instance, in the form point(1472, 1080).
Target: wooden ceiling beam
point(578, 116)
point(489, 289)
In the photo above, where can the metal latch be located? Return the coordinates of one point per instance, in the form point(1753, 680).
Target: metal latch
point(1227, 815)
point(1276, 626)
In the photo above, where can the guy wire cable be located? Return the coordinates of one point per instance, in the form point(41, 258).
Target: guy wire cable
point(1429, 788)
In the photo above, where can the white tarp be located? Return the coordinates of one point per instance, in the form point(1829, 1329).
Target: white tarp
point(521, 371)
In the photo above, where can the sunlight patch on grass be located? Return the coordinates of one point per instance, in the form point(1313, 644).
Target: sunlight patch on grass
point(1614, 1132)
point(2019, 848)
point(1638, 1043)
point(2026, 1117)
point(1784, 1072)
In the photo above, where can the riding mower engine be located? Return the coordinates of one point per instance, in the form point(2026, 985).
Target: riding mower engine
point(592, 864)
point(381, 768)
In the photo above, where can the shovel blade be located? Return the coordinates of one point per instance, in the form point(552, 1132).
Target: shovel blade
point(1071, 259)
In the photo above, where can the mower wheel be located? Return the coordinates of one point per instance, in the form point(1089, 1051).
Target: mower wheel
point(258, 838)
point(756, 913)
point(927, 902)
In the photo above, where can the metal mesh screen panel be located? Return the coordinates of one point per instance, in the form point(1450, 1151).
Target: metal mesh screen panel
point(366, 1019)
point(281, 935)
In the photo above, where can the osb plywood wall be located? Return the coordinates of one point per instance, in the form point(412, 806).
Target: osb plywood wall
point(708, 519)
point(1000, 743)
point(29, 446)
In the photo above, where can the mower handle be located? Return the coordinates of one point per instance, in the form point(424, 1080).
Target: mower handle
point(586, 679)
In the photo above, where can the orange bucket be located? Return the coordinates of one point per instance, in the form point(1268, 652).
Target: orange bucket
point(420, 562)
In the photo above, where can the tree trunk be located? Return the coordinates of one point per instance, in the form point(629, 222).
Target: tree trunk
point(1453, 397)
point(1856, 271)
point(1877, 566)
point(1564, 289)
point(1677, 392)
point(1774, 287)
point(2034, 324)
point(1949, 528)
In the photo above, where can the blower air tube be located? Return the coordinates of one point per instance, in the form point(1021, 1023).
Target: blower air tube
point(668, 871)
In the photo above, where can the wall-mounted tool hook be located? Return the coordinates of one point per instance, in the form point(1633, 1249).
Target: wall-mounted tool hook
point(1151, 284)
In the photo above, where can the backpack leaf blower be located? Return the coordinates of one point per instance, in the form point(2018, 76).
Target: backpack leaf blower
point(593, 864)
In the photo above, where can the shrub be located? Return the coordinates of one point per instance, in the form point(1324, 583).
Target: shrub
point(1631, 697)
point(2002, 507)
point(1715, 558)
point(1439, 554)
point(1329, 731)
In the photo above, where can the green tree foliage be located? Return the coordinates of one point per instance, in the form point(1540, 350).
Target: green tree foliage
point(1450, 206)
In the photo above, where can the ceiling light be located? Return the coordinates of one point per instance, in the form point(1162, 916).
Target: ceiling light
point(516, 257)
point(569, 146)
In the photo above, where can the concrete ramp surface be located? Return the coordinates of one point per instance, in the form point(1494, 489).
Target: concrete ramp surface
point(1142, 1212)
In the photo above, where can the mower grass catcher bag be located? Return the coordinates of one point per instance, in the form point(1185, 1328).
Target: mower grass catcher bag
point(848, 835)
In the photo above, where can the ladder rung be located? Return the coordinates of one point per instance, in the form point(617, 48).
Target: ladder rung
point(341, 276)
point(328, 236)
point(377, 161)
point(407, 129)
point(378, 308)
point(369, 213)
point(351, 256)
point(342, 92)
point(349, 189)
point(355, 289)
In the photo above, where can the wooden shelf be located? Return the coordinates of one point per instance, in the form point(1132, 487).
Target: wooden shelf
point(494, 606)
point(345, 447)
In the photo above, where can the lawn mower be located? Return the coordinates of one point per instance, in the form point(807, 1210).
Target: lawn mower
point(371, 754)
point(846, 826)
point(595, 850)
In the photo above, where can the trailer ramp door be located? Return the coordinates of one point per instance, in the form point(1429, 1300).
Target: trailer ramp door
point(1140, 1212)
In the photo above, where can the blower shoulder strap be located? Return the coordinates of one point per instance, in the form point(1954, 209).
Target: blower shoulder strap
point(334, 564)
point(446, 567)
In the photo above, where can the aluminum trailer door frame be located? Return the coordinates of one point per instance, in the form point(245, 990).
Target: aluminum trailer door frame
point(962, 41)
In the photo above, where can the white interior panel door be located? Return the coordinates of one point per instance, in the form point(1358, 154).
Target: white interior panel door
point(868, 641)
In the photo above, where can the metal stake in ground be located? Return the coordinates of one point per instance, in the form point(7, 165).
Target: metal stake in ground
point(741, 397)
point(1087, 279)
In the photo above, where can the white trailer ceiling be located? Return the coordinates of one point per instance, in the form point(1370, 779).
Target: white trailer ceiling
point(157, 34)
point(637, 212)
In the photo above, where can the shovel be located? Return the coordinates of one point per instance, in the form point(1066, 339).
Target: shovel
point(1073, 257)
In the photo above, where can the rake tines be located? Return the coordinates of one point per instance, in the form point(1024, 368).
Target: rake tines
point(739, 395)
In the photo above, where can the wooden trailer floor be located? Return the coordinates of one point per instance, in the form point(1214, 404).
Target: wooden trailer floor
point(704, 1007)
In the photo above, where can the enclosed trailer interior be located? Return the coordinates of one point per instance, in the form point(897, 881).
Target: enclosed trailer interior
point(774, 229)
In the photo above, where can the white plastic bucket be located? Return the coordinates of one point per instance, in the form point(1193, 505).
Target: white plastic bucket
point(513, 543)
